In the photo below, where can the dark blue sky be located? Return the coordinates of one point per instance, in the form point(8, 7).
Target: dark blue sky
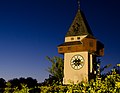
point(30, 30)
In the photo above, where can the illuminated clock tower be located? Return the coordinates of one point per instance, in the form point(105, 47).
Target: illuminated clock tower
point(80, 51)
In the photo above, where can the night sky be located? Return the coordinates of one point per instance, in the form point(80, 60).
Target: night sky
point(30, 30)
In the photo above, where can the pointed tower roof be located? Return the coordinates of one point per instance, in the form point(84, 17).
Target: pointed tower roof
point(79, 26)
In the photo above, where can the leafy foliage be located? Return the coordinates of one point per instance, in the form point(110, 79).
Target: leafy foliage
point(56, 70)
point(109, 84)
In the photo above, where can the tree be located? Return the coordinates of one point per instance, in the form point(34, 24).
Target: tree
point(14, 83)
point(2, 85)
point(31, 83)
point(22, 80)
point(101, 69)
point(57, 68)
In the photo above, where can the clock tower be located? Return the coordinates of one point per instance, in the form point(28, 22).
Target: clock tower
point(80, 51)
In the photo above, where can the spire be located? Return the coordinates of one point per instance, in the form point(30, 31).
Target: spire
point(78, 4)
point(79, 26)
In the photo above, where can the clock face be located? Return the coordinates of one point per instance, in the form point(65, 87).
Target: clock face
point(77, 62)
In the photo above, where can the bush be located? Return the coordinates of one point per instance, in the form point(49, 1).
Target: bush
point(110, 84)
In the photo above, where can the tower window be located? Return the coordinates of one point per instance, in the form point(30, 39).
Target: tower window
point(72, 38)
point(78, 38)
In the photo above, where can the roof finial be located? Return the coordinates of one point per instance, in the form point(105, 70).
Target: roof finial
point(78, 4)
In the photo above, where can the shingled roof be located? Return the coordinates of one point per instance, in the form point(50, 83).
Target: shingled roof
point(79, 26)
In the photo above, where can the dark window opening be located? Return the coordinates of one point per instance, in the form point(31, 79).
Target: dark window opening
point(78, 38)
point(72, 38)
